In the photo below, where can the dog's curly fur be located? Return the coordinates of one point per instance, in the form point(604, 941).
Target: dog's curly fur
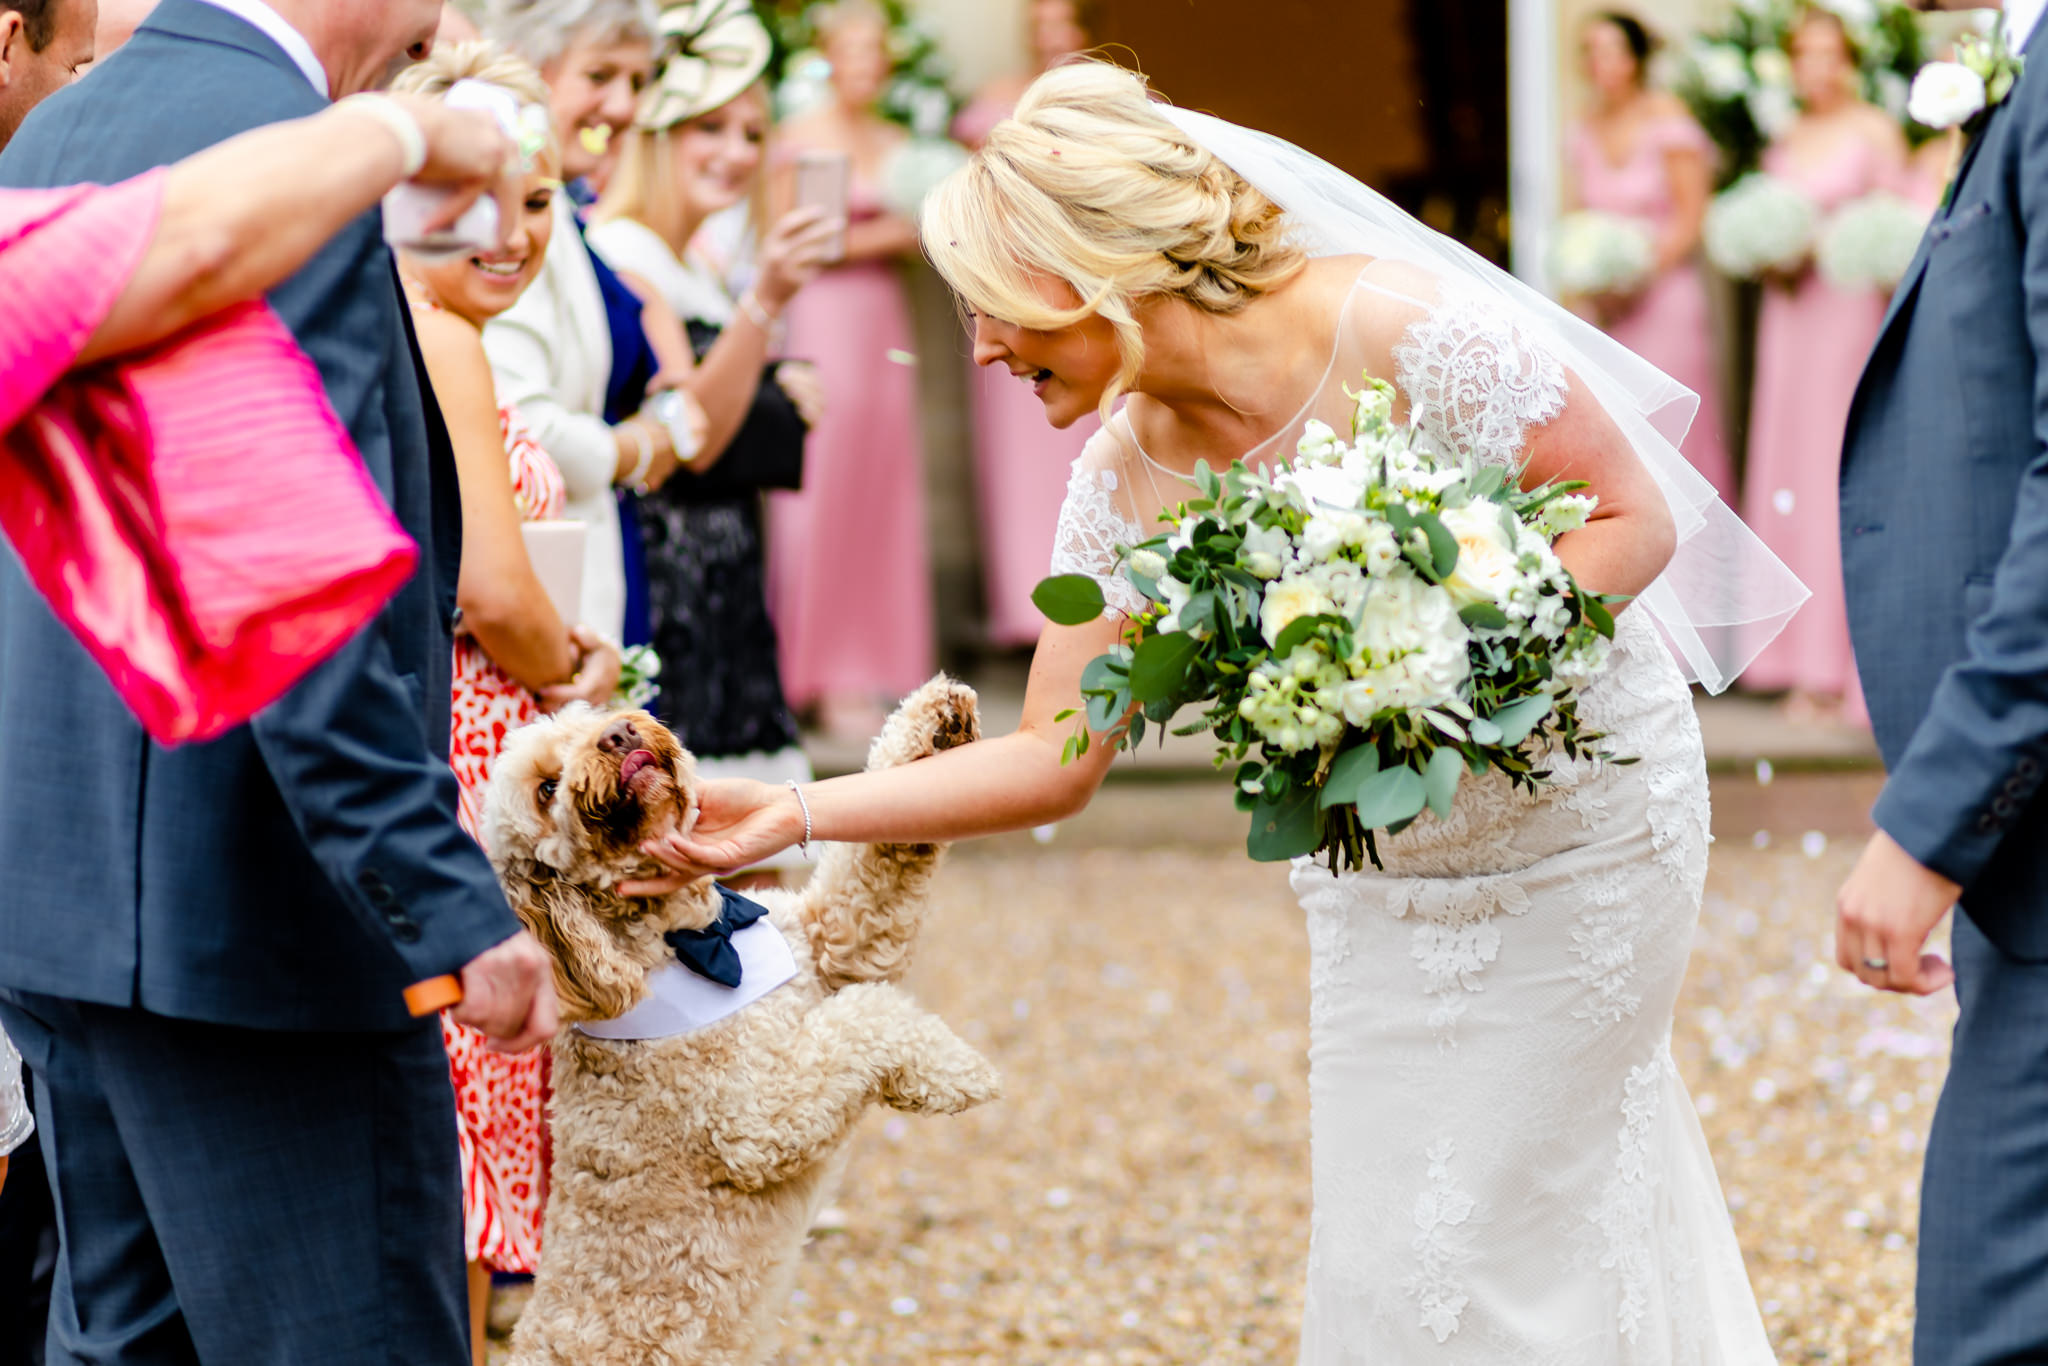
point(687, 1169)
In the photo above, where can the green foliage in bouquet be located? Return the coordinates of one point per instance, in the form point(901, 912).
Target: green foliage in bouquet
point(1737, 78)
point(919, 95)
point(1363, 626)
point(639, 668)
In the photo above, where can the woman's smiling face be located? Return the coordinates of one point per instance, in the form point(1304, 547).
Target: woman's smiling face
point(593, 92)
point(1068, 368)
point(715, 157)
point(479, 288)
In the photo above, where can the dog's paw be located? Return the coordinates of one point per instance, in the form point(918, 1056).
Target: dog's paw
point(946, 1077)
point(943, 714)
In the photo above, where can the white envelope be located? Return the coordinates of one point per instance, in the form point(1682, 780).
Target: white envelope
point(556, 551)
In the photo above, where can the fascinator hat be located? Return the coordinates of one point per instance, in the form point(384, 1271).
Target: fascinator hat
point(707, 52)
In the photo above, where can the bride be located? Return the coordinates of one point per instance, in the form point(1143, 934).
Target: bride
point(1507, 1166)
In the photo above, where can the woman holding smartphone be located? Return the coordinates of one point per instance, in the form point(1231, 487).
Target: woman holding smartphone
point(849, 571)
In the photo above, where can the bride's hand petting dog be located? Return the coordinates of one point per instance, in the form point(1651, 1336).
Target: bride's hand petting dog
point(695, 1138)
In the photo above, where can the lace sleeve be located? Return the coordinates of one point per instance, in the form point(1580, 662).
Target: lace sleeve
point(1091, 527)
point(1475, 381)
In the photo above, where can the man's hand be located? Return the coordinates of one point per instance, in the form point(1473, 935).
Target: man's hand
point(740, 822)
point(508, 995)
point(1883, 915)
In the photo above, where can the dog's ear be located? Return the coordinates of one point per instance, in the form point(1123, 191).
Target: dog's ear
point(594, 980)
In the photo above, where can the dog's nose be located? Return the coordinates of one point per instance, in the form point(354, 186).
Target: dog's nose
point(619, 737)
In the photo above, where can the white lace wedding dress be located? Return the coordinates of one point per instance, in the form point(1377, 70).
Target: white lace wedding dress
point(1507, 1166)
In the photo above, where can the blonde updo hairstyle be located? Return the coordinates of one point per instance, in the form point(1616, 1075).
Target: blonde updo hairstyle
point(1089, 185)
point(483, 60)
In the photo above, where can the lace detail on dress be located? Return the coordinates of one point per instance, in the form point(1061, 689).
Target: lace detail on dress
point(1456, 938)
point(1475, 382)
point(1091, 527)
point(1444, 1244)
point(1627, 1207)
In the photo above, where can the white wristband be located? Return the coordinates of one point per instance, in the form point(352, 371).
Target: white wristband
point(412, 139)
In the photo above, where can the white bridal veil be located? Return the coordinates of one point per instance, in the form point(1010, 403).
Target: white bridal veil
point(1724, 595)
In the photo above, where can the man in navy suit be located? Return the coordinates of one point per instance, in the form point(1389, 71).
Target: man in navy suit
point(1945, 555)
point(203, 950)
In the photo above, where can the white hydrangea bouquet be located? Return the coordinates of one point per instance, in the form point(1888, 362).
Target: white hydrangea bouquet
point(639, 675)
point(1759, 224)
point(1364, 625)
point(1600, 253)
point(1868, 243)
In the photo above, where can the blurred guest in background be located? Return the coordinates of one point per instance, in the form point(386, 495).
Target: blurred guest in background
point(1021, 460)
point(1812, 339)
point(1638, 154)
point(697, 149)
point(574, 355)
point(849, 566)
point(513, 651)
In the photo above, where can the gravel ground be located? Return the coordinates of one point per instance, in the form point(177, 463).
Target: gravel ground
point(1141, 1195)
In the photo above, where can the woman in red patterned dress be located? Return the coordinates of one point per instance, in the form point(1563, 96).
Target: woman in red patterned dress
point(514, 658)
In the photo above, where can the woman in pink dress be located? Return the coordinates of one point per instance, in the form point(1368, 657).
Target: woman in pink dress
point(1638, 154)
point(1021, 461)
point(1812, 340)
point(849, 568)
point(514, 655)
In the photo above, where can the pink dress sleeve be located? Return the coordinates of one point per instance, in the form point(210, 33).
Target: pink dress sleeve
point(194, 514)
point(1677, 133)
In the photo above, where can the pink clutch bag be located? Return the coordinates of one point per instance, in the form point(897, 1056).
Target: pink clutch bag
point(194, 514)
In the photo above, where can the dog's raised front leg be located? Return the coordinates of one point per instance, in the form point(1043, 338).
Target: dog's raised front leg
point(800, 1095)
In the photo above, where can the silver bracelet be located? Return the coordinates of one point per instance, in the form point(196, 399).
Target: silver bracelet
point(803, 845)
point(636, 478)
point(412, 139)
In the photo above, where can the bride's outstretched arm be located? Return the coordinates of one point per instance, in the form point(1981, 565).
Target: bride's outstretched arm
point(1010, 783)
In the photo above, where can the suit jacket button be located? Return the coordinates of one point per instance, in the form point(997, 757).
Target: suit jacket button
point(376, 889)
point(2002, 807)
point(1986, 823)
point(2028, 767)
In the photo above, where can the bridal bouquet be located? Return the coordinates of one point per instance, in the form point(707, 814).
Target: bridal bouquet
point(1364, 625)
point(1868, 243)
point(1599, 253)
point(1759, 224)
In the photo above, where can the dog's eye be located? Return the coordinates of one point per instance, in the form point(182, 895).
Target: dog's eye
point(547, 790)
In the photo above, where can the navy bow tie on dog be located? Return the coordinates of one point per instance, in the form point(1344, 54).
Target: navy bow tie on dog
point(709, 952)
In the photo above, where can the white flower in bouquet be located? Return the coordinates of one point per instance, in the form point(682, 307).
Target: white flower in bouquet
point(1600, 253)
point(1773, 108)
point(1772, 67)
point(1869, 242)
point(1568, 512)
point(1757, 224)
point(1721, 70)
point(1488, 562)
point(639, 667)
point(1267, 551)
point(916, 170)
point(1318, 444)
point(1292, 596)
point(1415, 650)
point(1330, 530)
point(1372, 411)
point(1148, 564)
point(1946, 95)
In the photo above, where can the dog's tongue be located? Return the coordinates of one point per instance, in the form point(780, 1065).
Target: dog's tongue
point(632, 764)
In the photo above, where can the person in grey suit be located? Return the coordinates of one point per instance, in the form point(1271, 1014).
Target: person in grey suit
point(203, 950)
point(1944, 506)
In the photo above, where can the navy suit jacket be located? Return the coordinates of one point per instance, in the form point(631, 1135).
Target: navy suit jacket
point(1945, 532)
point(299, 871)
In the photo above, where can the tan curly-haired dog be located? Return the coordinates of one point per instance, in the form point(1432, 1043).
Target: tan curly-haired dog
point(687, 1169)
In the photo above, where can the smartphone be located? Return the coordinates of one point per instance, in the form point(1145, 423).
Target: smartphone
point(821, 181)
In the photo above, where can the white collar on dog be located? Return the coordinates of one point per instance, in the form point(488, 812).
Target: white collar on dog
point(679, 1000)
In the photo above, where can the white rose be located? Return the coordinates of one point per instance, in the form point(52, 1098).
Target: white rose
point(1382, 550)
point(1329, 531)
point(1722, 70)
point(1945, 95)
point(1286, 600)
point(1772, 67)
point(1487, 567)
point(1325, 486)
point(1374, 410)
point(1148, 564)
point(1261, 564)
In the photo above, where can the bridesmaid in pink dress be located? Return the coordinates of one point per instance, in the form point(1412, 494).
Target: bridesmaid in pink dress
point(1638, 154)
point(849, 568)
point(1021, 461)
point(1812, 340)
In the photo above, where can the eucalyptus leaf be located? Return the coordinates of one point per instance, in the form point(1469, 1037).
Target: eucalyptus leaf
point(1200, 613)
point(1391, 796)
point(1106, 709)
point(1285, 829)
point(1518, 718)
point(1440, 780)
point(1443, 546)
point(1483, 616)
point(1300, 631)
point(1484, 732)
point(1351, 768)
point(1069, 599)
point(1161, 666)
point(1104, 671)
point(1596, 614)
